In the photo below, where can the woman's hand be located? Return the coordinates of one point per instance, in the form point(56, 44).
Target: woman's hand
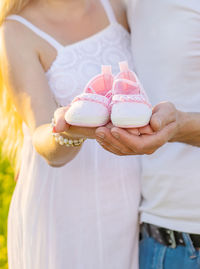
point(72, 131)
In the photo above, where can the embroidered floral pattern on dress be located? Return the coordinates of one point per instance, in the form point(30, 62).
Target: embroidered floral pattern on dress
point(68, 80)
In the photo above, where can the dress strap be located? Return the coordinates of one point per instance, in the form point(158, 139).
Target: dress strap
point(109, 11)
point(37, 31)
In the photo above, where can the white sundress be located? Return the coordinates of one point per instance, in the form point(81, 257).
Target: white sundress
point(83, 215)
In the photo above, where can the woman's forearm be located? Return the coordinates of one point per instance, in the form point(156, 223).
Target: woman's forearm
point(45, 144)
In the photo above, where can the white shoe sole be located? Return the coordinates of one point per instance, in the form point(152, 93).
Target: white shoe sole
point(87, 114)
point(130, 115)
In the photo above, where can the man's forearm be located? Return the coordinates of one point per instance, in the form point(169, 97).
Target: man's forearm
point(188, 129)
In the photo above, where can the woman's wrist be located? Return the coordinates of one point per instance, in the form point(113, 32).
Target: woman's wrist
point(65, 138)
point(68, 142)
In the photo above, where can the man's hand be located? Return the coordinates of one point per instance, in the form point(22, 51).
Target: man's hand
point(164, 126)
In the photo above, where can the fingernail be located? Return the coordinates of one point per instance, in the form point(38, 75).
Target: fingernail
point(101, 135)
point(54, 129)
point(116, 135)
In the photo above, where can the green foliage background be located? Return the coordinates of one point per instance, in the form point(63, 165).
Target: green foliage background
point(7, 185)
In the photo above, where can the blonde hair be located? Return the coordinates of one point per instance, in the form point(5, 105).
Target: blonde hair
point(11, 134)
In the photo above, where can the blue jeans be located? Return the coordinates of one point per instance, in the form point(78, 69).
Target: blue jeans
point(153, 255)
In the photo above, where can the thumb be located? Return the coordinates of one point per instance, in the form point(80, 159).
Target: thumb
point(163, 114)
point(60, 123)
point(156, 122)
point(146, 130)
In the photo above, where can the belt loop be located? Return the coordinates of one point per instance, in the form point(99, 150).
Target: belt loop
point(172, 239)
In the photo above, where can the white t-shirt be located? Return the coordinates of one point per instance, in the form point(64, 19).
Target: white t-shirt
point(166, 51)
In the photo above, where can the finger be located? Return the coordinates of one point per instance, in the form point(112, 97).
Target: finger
point(152, 142)
point(109, 125)
point(109, 148)
point(104, 135)
point(163, 114)
point(60, 124)
point(134, 131)
point(145, 144)
point(146, 130)
point(130, 141)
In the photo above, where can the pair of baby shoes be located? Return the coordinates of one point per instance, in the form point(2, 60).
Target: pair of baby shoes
point(121, 100)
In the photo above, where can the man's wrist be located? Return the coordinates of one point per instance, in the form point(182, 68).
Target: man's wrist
point(188, 128)
point(182, 119)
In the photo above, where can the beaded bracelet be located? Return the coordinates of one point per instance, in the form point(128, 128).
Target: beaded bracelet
point(66, 141)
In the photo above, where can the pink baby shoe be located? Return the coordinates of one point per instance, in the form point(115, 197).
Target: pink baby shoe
point(130, 105)
point(92, 107)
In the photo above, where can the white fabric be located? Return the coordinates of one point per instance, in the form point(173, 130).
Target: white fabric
point(109, 11)
point(82, 215)
point(166, 50)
